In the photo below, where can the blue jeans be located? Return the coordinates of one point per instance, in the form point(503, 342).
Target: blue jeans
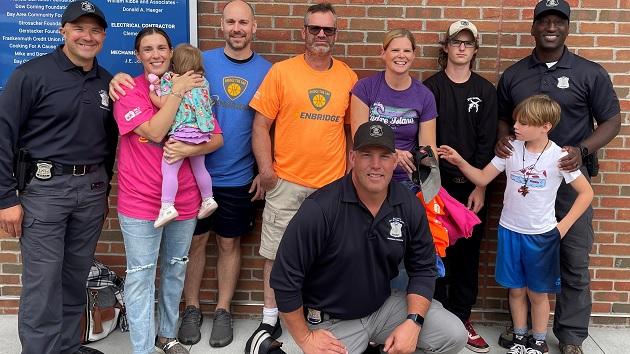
point(142, 246)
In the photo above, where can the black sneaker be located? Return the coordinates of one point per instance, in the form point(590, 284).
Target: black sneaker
point(519, 345)
point(222, 332)
point(265, 336)
point(170, 346)
point(506, 338)
point(87, 350)
point(571, 349)
point(537, 346)
point(190, 328)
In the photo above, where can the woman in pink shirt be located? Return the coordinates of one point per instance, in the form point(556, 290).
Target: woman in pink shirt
point(143, 128)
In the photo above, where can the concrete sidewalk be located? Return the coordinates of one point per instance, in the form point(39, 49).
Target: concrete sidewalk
point(607, 340)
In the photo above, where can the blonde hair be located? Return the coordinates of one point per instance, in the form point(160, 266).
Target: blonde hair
point(186, 58)
point(399, 33)
point(537, 110)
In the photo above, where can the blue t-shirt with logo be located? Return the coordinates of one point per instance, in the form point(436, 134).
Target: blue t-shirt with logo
point(232, 86)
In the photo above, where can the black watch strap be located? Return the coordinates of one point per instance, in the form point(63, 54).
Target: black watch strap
point(583, 151)
point(416, 318)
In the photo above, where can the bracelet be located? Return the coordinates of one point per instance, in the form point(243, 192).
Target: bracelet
point(177, 94)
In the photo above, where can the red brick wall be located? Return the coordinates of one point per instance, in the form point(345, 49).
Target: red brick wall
point(600, 31)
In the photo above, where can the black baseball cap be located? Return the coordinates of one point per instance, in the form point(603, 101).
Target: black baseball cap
point(559, 6)
point(80, 8)
point(374, 134)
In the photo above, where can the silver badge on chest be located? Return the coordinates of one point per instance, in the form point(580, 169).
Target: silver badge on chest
point(44, 170)
point(563, 82)
point(395, 230)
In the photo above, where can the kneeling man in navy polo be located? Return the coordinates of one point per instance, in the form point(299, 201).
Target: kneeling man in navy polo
point(333, 269)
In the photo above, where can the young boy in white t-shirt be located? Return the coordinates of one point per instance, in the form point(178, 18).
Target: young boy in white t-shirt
point(528, 258)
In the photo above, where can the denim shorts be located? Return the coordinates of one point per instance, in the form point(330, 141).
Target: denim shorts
point(531, 261)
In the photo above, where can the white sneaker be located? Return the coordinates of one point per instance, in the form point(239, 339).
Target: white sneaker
point(208, 206)
point(168, 213)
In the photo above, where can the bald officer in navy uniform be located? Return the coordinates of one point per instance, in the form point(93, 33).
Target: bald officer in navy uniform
point(56, 108)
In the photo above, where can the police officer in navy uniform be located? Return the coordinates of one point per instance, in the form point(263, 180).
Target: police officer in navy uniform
point(340, 251)
point(586, 95)
point(56, 108)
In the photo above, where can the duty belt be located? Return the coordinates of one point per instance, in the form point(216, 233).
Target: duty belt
point(44, 169)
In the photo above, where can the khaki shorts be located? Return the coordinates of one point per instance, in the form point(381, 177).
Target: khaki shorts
point(281, 203)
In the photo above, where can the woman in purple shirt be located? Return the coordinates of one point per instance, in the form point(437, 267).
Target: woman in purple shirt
point(392, 96)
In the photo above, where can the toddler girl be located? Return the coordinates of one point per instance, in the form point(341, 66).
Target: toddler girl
point(193, 124)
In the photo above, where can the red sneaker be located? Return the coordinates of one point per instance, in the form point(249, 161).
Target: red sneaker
point(475, 342)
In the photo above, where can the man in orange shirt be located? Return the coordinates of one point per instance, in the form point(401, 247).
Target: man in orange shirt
point(307, 97)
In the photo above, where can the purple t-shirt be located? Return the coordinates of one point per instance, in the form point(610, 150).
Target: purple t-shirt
point(401, 110)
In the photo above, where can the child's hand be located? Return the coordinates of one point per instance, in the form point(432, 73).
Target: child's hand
point(155, 84)
point(154, 79)
point(186, 82)
point(449, 154)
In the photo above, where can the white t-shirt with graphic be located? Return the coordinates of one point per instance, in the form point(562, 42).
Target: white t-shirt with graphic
point(535, 212)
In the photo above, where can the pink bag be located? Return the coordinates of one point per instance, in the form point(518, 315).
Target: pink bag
point(459, 220)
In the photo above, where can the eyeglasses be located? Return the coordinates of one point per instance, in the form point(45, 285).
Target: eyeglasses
point(314, 30)
point(457, 43)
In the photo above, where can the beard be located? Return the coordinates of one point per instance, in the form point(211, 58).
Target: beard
point(319, 48)
point(242, 42)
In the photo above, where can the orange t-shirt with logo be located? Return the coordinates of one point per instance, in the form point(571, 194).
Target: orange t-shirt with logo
point(309, 109)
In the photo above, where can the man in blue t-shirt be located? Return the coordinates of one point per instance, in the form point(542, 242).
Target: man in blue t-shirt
point(234, 73)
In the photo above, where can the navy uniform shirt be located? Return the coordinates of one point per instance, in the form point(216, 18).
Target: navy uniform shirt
point(581, 87)
point(337, 258)
point(59, 113)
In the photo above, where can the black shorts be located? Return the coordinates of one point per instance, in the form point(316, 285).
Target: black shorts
point(235, 215)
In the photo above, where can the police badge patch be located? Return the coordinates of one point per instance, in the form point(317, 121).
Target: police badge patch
point(552, 3)
point(395, 229)
point(87, 6)
point(319, 98)
point(234, 86)
point(563, 82)
point(376, 131)
point(104, 99)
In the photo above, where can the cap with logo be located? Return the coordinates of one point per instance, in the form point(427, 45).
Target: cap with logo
point(374, 134)
point(559, 6)
point(461, 25)
point(77, 9)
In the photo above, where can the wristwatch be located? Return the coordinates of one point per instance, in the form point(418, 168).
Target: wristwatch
point(583, 151)
point(416, 318)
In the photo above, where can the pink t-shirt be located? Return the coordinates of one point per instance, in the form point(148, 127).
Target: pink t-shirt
point(139, 162)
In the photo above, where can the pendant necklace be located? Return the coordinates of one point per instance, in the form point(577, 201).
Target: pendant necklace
point(524, 189)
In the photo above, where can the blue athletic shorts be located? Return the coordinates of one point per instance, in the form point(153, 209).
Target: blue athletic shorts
point(235, 215)
point(528, 261)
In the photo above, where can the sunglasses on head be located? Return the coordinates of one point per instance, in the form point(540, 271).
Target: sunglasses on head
point(314, 30)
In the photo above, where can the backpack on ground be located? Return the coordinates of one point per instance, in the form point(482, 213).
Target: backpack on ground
point(104, 307)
